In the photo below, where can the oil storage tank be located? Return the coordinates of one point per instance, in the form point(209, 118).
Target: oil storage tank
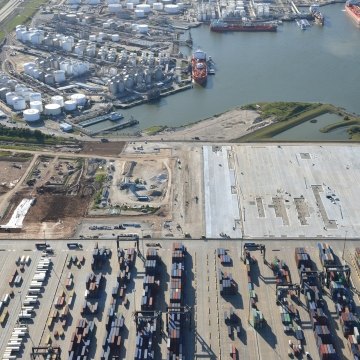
point(31, 115)
point(19, 103)
point(79, 98)
point(52, 109)
point(36, 104)
point(70, 105)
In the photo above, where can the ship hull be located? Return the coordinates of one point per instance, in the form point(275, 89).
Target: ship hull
point(350, 10)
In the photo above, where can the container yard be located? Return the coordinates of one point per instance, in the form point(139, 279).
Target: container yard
point(145, 299)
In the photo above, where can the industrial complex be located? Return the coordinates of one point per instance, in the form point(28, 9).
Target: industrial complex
point(174, 243)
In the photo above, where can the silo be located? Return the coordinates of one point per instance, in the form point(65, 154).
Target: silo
point(31, 115)
point(143, 28)
point(78, 50)
point(145, 7)
point(70, 105)
point(171, 9)
point(49, 79)
point(58, 99)
point(19, 103)
point(38, 105)
point(80, 99)
point(11, 84)
point(59, 76)
point(53, 109)
point(115, 37)
point(10, 98)
point(114, 8)
point(158, 6)
point(112, 86)
point(3, 92)
point(139, 13)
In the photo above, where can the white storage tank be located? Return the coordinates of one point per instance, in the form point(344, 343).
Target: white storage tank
point(130, 6)
point(19, 103)
point(36, 105)
point(58, 99)
point(10, 98)
point(113, 1)
point(115, 37)
point(70, 105)
point(92, 37)
point(139, 13)
point(172, 9)
point(31, 115)
point(158, 6)
point(135, 2)
point(49, 79)
point(59, 76)
point(80, 99)
point(35, 96)
point(145, 7)
point(114, 8)
point(143, 28)
point(53, 109)
point(71, 18)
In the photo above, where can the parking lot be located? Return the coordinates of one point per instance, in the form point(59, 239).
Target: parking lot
point(205, 333)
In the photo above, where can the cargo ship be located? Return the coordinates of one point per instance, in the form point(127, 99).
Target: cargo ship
point(353, 9)
point(224, 26)
point(316, 13)
point(199, 70)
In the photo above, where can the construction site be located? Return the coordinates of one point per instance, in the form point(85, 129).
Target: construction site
point(160, 192)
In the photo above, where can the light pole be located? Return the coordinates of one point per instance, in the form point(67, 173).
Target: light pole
point(343, 253)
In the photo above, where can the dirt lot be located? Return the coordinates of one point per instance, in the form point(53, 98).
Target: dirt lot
point(228, 126)
point(12, 169)
point(103, 149)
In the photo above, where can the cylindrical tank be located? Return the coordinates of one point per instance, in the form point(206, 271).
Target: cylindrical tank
point(134, 1)
point(58, 99)
point(114, 8)
point(19, 103)
point(10, 98)
point(139, 13)
point(113, 1)
point(59, 76)
point(70, 105)
point(92, 37)
point(143, 28)
point(80, 99)
point(158, 6)
point(115, 37)
point(130, 6)
point(49, 79)
point(31, 115)
point(36, 105)
point(71, 18)
point(53, 109)
point(172, 9)
point(35, 96)
point(145, 7)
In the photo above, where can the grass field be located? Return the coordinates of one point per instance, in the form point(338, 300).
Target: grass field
point(19, 17)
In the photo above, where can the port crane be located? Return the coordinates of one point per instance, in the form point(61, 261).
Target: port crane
point(344, 269)
point(252, 246)
point(156, 314)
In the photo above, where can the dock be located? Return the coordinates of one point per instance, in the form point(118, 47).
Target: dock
point(118, 126)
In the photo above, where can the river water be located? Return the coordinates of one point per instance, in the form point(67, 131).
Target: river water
point(316, 65)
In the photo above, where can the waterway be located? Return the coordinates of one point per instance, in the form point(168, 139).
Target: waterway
point(320, 64)
point(310, 131)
